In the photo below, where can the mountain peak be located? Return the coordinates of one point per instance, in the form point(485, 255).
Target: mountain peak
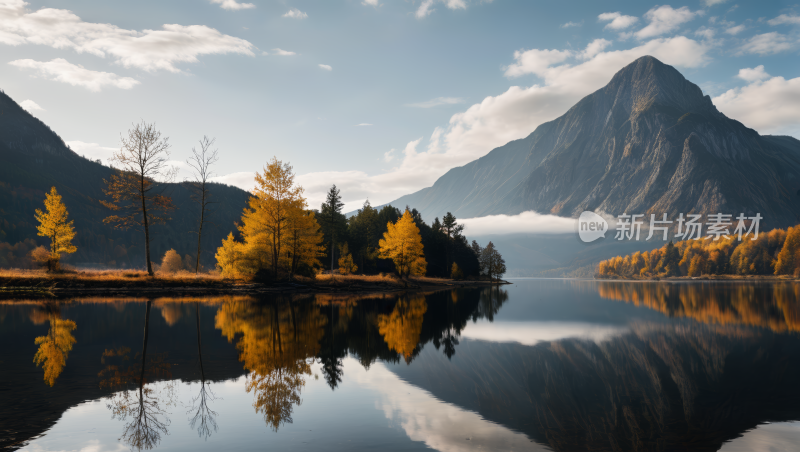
point(648, 81)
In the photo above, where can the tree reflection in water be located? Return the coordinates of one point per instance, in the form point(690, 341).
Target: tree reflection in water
point(277, 344)
point(56, 345)
point(769, 305)
point(401, 328)
point(144, 408)
point(204, 418)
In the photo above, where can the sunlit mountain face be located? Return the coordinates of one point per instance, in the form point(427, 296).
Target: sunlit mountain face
point(536, 365)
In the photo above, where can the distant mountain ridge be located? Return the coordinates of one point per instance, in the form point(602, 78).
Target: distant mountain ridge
point(647, 142)
point(34, 158)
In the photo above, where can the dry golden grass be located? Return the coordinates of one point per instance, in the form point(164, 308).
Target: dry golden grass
point(353, 279)
point(108, 275)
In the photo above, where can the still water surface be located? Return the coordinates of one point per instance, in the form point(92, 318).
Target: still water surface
point(537, 365)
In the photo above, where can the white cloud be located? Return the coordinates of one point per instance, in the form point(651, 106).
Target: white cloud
point(617, 21)
point(370, 3)
point(426, 7)
point(524, 223)
point(363, 124)
point(767, 44)
point(535, 332)
point(572, 24)
point(282, 52)
point(150, 50)
point(388, 156)
point(536, 61)
point(30, 106)
point(61, 70)
point(437, 102)
point(295, 13)
point(233, 5)
point(713, 2)
point(594, 47)
point(767, 104)
point(785, 19)
point(664, 19)
point(753, 74)
point(705, 33)
point(92, 151)
point(326, 67)
point(736, 29)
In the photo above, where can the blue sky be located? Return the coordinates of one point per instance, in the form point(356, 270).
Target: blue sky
point(380, 97)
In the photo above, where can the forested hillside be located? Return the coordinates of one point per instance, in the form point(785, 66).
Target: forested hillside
point(34, 158)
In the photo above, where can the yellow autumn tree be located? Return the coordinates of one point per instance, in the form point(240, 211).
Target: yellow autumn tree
point(402, 244)
point(54, 348)
point(789, 256)
point(172, 262)
point(346, 264)
point(278, 232)
point(53, 224)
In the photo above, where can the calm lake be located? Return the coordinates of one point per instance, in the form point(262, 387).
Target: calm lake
point(565, 365)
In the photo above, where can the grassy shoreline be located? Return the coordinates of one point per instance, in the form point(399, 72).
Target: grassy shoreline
point(27, 283)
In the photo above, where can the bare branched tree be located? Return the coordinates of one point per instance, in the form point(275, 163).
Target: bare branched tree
point(201, 161)
point(143, 165)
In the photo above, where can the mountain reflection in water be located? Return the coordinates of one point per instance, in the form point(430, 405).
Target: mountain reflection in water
point(561, 365)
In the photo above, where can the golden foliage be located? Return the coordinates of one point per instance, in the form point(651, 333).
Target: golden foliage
point(401, 328)
point(402, 244)
point(708, 257)
point(455, 272)
point(346, 264)
point(54, 348)
point(53, 224)
point(278, 231)
point(172, 262)
point(789, 257)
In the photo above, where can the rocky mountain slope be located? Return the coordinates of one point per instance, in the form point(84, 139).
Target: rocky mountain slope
point(648, 142)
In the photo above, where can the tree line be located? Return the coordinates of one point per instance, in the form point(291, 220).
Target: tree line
point(776, 252)
point(278, 235)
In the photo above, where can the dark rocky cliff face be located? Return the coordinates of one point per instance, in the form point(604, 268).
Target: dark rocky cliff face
point(648, 142)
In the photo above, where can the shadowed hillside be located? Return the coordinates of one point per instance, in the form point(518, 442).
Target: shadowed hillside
point(35, 158)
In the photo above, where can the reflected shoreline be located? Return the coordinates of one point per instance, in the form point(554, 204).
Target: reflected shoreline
point(564, 381)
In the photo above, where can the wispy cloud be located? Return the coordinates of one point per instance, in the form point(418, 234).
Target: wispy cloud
point(295, 13)
point(572, 24)
point(767, 44)
point(233, 5)
point(363, 124)
point(150, 50)
point(282, 52)
point(370, 3)
point(785, 19)
point(426, 7)
point(617, 21)
point(665, 19)
point(437, 102)
point(31, 106)
point(326, 67)
point(61, 70)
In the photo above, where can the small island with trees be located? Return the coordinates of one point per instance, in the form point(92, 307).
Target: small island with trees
point(278, 245)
